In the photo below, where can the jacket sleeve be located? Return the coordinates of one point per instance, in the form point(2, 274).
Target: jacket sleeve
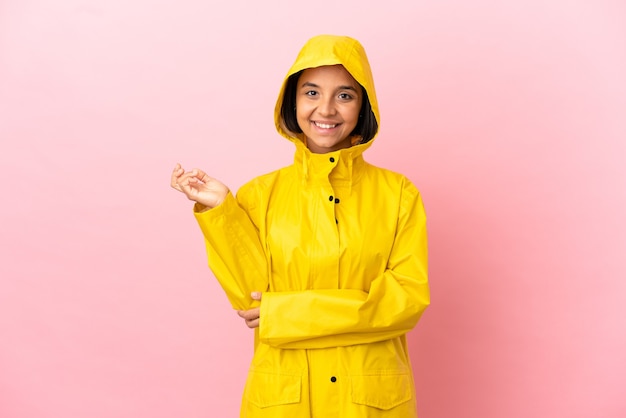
point(392, 306)
point(234, 251)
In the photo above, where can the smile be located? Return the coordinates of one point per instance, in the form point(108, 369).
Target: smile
point(325, 125)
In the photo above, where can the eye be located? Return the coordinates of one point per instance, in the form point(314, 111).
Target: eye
point(311, 93)
point(345, 96)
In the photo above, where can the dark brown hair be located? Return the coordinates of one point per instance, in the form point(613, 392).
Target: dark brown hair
point(366, 127)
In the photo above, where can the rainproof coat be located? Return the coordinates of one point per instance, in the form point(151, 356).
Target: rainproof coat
point(338, 248)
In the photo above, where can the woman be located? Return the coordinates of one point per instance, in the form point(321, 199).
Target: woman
point(326, 258)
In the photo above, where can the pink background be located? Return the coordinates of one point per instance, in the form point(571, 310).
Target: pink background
point(509, 116)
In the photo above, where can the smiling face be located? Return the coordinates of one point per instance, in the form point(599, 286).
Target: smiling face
point(328, 101)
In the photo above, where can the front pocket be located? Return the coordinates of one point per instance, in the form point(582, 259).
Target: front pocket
point(266, 388)
point(382, 391)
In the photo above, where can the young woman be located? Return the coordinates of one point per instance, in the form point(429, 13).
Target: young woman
point(326, 258)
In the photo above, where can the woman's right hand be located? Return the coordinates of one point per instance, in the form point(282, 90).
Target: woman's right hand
point(199, 187)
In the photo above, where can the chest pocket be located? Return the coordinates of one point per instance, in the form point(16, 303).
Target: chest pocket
point(385, 390)
point(268, 388)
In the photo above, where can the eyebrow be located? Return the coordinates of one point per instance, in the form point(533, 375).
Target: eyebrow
point(309, 84)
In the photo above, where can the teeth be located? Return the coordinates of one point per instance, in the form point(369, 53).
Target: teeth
point(324, 126)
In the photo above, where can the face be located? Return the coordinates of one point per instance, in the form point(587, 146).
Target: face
point(328, 101)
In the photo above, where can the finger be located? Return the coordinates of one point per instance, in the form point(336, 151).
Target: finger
point(178, 170)
point(253, 324)
point(204, 177)
point(256, 295)
point(186, 187)
point(185, 180)
point(250, 314)
point(179, 183)
point(176, 173)
point(250, 317)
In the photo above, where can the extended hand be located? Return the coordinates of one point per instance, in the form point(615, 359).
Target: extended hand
point(198, 186)
point(252, 316)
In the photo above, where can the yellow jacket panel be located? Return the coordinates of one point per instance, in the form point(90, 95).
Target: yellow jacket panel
point(338, 248)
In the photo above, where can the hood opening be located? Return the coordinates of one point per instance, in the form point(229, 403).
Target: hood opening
point(321, 51)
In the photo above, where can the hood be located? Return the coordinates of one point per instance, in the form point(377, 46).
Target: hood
point(330, 50)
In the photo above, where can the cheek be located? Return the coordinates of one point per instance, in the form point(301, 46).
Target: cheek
point(300, 116)
point(300, 109)
point(352, 114)
point(301, 102)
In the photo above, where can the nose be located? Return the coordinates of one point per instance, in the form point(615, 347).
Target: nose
point(327, 107)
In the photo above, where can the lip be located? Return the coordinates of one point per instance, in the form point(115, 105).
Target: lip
point(325, 125)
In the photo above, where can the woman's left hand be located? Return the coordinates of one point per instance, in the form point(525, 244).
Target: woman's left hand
point(251, 316)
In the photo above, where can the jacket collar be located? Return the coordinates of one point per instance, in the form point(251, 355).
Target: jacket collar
point(341, 168)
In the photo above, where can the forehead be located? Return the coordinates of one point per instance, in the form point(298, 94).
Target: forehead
point(328, 74)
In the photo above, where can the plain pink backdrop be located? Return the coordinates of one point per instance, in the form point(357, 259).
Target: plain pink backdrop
point(509, 116)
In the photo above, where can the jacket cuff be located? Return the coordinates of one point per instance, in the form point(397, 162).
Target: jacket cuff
point(205, 216)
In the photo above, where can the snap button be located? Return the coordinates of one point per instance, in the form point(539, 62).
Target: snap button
point(332, 159)
point(333, 379)
point(337, 200)
point(330, 198)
